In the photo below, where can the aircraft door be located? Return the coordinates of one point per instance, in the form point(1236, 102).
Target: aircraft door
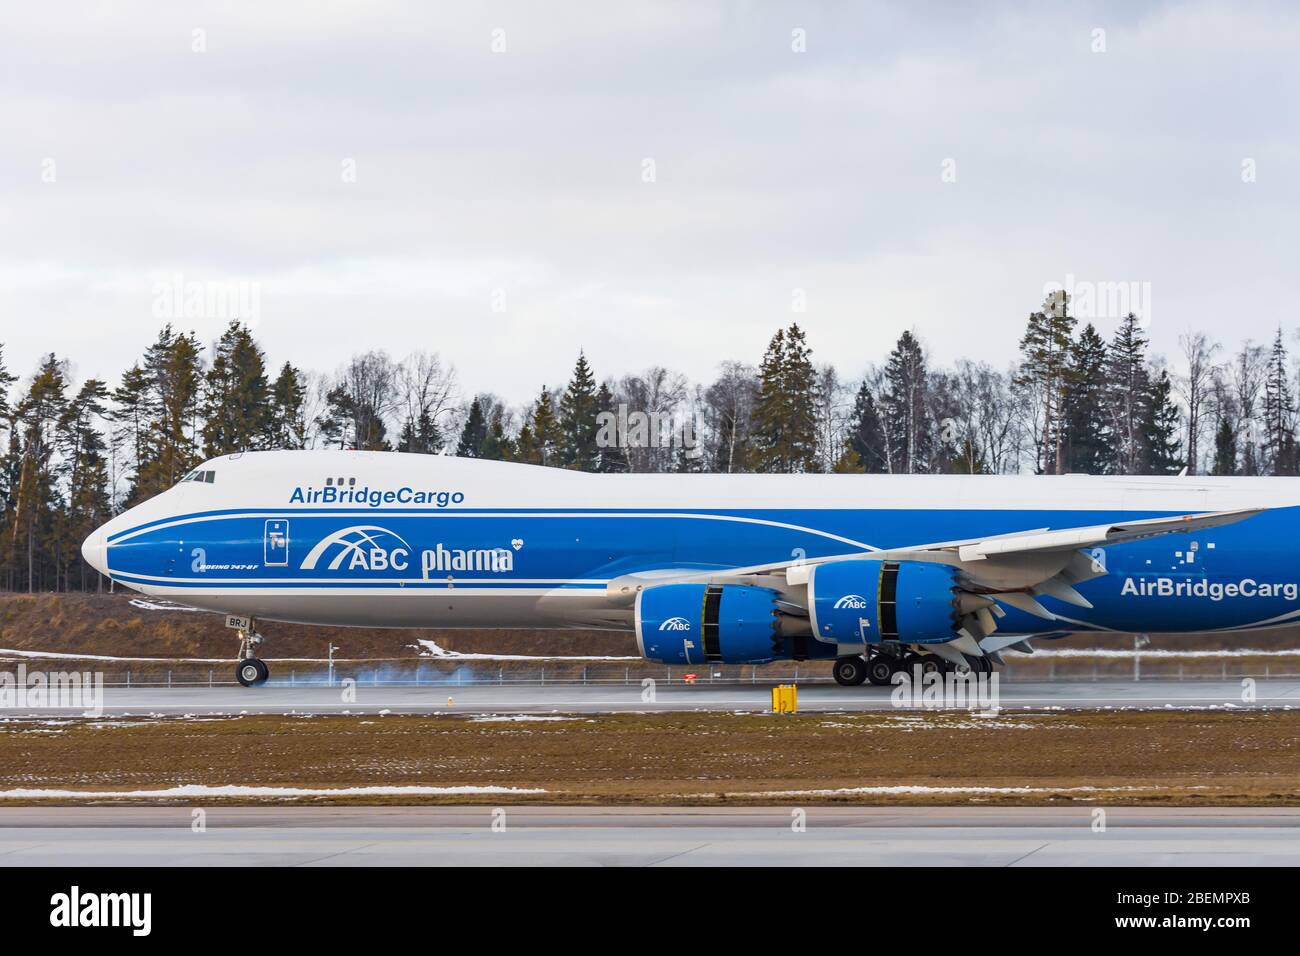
point(275, 543)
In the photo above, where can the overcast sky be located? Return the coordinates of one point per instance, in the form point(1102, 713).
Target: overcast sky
point(918, 165)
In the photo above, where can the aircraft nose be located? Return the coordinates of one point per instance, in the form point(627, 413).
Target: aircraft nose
point(95, 550)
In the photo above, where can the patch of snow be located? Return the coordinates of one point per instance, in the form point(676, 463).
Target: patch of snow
point(515, 718)
point(1128, 653)
point(165, 606)
point(431, 649)
point(231, 790)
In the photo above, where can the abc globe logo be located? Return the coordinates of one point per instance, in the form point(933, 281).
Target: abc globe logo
point(854, 602)
point(675, 624)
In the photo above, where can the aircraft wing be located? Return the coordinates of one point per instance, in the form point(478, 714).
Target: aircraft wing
point(1014, 569)
point(1018, 568)
point(1098, 535)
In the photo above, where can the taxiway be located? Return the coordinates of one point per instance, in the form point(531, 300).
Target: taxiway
point(281, 698)
point(467, 836)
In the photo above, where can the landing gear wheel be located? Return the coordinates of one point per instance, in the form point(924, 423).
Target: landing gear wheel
point(881, 670)
point(250, 672)
point(932, 664)
point(850, 671)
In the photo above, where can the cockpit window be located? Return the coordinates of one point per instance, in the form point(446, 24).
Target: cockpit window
point(207, 477)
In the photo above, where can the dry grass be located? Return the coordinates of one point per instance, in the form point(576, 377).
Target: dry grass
point(1171, 758)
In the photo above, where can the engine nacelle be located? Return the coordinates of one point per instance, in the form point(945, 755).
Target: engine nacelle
point(700, 623)
point(866, 602)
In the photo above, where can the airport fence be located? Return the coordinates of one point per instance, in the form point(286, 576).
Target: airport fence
point(450, 674)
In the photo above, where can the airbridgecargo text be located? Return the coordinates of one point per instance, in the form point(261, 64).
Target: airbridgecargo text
point(374, 497)
point(1214, 590)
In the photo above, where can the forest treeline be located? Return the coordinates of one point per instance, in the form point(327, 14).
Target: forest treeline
point(1068, 401)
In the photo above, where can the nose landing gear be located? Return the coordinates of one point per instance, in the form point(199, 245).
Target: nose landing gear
point(251, 670)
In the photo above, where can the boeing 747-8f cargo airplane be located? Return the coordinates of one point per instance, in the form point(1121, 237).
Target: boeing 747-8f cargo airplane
point(874, 571)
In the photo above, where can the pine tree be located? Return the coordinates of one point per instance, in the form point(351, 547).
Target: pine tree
point(1045, 351)
point(236, 402)
point(497, 446)
point(1083, 408)
point(286, 422)
point(134, 408)
point(7, 380)
point(539, 435)
point(579, 406)
point(174, 371)
point(1129, 397)
point(903, 408)
point(613, 456)
point(1225, 449)
point(333, 424)
point(421, 436)
point(1164, 423)
point(85, 472)
point(8, 464)
point(865, 443)
point(474, 434)
point(32, 551)
point(1279, 413)
point(784, 418)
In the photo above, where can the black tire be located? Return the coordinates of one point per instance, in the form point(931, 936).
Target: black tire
point(933, 664)
point(850, 671)
point(881, 670)
point(250, 672)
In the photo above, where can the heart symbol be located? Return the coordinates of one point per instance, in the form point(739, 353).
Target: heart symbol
point(517, 543)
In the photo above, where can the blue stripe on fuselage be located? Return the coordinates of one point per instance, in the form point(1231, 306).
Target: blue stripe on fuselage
point(576, 547)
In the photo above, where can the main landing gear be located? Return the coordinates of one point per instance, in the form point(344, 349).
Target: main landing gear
point(251, 670)
point(879, 667)
point(852, 671)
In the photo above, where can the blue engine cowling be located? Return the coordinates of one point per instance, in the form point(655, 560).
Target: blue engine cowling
point(729, 624)
point(866, 602)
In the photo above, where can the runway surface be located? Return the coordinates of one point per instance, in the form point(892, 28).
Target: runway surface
point(276, 698)
point(465, 836)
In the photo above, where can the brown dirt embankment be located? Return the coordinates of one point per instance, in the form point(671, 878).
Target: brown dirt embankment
point(109, 624)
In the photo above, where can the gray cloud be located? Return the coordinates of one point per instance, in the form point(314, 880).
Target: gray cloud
point(521, 171)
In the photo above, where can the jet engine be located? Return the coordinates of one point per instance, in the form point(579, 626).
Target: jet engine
point(724, 623)
point(866, 602)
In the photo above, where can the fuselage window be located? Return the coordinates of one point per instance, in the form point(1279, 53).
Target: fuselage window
point(329, 481)
point(351, 482)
